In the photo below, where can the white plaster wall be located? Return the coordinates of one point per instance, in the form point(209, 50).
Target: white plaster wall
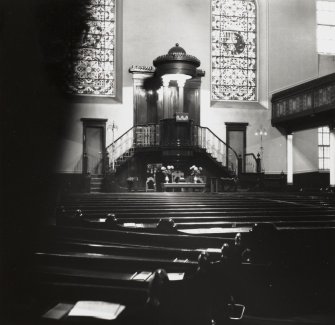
point(305, 152)
point(71, 142)
point(292, 42)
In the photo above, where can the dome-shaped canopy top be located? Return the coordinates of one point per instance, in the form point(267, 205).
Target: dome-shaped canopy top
point(176, 61)
point(176, 49)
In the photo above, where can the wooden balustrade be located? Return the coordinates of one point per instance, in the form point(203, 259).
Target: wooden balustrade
point(312, 102)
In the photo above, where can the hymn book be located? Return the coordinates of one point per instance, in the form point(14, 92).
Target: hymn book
point(97, 309)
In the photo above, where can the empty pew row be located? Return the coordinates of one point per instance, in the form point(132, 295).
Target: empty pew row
point(105, 236)
point(126, 249)
point(220, 203)
point(173, 199)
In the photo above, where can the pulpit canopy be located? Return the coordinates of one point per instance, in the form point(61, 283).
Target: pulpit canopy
point(176, 64)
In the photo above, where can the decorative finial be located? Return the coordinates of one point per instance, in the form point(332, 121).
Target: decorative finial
point(177, 44)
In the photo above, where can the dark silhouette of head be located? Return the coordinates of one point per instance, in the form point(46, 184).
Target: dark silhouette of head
point(157, 288)
point(203, 261)
point(166, 225)
point(225, 251)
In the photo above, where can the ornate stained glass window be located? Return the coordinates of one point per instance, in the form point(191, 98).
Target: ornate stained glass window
point(92, 70)
point(234, 50)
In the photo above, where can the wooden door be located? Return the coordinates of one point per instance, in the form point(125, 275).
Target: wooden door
point(236, 139)
point(94, 150)
point(94, 146)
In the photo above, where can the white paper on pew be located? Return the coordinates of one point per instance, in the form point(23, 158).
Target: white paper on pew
point(215, 230)
point(141, 276)
point(129, 224)
point(176, 276)
point(97, 309)
point(177, 260)
point(133, 225)
point(211, 250)
point(58, 311)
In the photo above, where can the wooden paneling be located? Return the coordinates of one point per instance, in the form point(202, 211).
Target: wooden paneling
point(148, 98)
point(308, 105)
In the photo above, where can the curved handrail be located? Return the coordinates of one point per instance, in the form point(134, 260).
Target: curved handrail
point(217, 148)
point(119, 137)
point(255, 164)
point(251, 154)
point(149, 136)
point(227, 145)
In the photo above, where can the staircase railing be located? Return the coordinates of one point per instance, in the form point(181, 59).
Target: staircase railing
point(135, 137)
point(225, 155)
point(149, 136)
point(252, 163)
point(121, 145)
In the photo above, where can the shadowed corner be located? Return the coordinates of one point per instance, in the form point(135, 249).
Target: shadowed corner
point(38, 56)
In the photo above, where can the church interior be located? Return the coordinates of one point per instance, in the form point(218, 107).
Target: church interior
point(167, 162)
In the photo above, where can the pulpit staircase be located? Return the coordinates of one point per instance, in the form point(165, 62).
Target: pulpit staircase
point(146, 137)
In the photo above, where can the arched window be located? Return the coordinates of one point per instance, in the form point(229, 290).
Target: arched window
point(234, 50)
point(93, 68)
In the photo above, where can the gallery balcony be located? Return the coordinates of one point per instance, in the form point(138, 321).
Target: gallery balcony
point(308, 105)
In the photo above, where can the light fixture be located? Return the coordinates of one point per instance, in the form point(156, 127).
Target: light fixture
point(261, 132)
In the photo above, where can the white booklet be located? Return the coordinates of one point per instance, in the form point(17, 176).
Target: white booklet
point(141, 276)
point(176, 276)
point(97, 309)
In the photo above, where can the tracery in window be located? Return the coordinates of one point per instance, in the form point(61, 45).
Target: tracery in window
point(324, 147)
point(92, 72)
point(234, 50)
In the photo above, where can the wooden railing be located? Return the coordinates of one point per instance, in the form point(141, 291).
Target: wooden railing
point(305, 100)
point(252, 163)
point(225, 155)
point(149, 136)
point(135, 137)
